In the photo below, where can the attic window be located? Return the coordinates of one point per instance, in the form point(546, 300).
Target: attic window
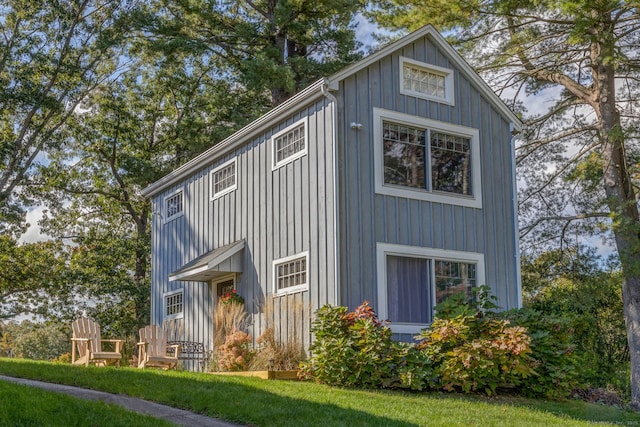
point(290, 143)
point(223, 179)
point(173, 206)
point(426, 81)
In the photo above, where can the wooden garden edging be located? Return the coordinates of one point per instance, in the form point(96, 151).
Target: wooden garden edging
point(265, 375)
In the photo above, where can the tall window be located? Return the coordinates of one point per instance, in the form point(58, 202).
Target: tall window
point(427, 81)
point(424, 159)
point(223, 179)
point(173, 206)
point(290, 143)
point(290, 274)
point(413, 280)
point(173, 306)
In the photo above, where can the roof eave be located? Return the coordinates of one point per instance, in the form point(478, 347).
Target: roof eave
point(306, 96)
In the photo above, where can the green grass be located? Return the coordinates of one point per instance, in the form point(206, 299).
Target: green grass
point(283, 403)
point(25, 406)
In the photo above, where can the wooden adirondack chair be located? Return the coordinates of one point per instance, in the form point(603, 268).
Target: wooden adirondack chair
point(86, 344)
point(153, 349)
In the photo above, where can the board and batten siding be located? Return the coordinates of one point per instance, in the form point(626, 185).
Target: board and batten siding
point(367, 218)
point(279, 212)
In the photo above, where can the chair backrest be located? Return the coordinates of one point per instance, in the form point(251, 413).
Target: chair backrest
point(86, 328)
point(157, 339)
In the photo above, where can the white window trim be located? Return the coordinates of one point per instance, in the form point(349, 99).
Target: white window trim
point(292, 289)
point(165, 316)
point(473, 201)
point(448, 81)
point(164, 207)
point(277, 165)
point(384, 249)
point(226, 190)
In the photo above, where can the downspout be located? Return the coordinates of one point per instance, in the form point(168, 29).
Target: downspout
point(336, 197)
point(514, 197)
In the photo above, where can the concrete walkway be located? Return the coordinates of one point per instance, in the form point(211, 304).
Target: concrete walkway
point(174, 415)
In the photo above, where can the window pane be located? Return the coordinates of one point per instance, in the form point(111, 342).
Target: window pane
point(404, 155)
point(408, 290)
point(424, 81)
point(289, 144)
point(291, 273)
point(452, 278)
point(451, 163)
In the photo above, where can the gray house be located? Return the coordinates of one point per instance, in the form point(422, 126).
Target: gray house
point(391, 181)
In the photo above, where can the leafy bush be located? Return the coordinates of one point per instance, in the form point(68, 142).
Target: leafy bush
point(235, 354)
point(552, 353)
point(355, 349)
point(474, 353)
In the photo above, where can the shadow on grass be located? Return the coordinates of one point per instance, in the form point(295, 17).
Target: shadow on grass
point(229, 398)
point(258, 402)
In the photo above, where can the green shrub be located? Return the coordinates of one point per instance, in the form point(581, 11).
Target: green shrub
point(476, 353)
point(552, 353)
point(355, 349)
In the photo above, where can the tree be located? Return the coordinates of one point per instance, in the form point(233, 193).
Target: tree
point(278, 45)
point(33, 278)
point(126, 135)
point(577, 285)
point(583, 54)
point(52, 53)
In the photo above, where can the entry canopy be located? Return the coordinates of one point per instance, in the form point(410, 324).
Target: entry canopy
point(223, 260)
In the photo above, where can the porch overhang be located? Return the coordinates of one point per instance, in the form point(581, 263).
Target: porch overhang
point(223, 260)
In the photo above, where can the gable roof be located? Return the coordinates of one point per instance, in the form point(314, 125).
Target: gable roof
point(315, 91)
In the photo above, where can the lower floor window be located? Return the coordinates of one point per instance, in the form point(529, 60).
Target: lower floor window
point(416, 279)
point(173, 305)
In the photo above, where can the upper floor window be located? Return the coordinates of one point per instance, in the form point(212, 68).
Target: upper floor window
point(426, 81)
point(290, 274)
point(223, 179)
point(173, 206)
point(425, 159)
point(173, 304)
point(290, 143)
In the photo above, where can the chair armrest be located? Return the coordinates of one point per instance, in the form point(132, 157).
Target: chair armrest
point(79, 339)
point(176, 349)
point(118, 344)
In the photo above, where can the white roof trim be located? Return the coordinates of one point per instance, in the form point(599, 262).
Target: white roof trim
point(453, 55)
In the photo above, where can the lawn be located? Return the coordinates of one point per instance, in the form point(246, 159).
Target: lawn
point(25, 406)
point(290, 403)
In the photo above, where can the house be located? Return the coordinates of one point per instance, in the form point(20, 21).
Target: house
point(392, 181)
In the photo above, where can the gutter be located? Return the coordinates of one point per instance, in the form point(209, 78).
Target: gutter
point(239, 138)
point(336, 197)
point(513, 128)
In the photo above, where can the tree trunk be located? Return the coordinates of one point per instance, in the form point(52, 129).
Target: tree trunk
point(621, 199)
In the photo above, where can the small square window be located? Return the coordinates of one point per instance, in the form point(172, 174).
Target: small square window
point(290, 143)
point(173, 206)
point(173, 305)
point(290, 274)
point(426, 81)
point(223, 179)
